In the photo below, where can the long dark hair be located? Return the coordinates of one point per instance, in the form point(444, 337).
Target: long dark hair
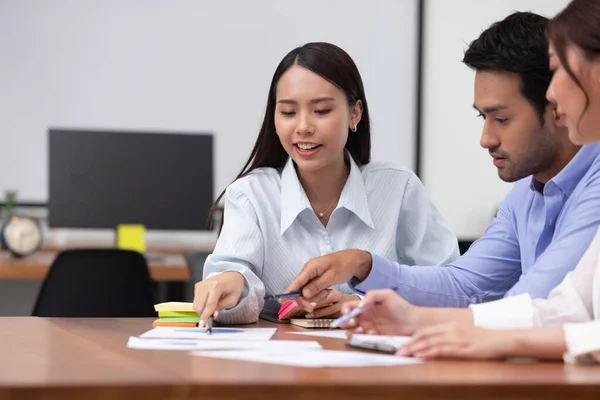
point(578, 23)
point(333, 64)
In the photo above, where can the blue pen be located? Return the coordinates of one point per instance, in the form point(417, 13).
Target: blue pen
point(345, 318)
point(283, 295)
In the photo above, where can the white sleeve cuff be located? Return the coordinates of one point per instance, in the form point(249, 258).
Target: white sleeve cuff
point(516, 312)
point(583, 342)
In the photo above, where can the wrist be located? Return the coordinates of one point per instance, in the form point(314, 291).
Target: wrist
point(236, 281)
point(365, 262)
point(233, 275)
point(415, 320)
point(511, 343)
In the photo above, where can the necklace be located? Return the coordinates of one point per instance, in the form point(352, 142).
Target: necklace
point(322, 214)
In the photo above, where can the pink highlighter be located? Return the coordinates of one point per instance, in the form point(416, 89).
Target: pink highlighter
point(290, 309)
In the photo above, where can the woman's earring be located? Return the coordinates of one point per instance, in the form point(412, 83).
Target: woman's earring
point(354, 129)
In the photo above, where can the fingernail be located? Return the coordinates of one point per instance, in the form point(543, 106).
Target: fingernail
point(372, 332)
point(201, 324)
point(352, 321)
point(216, 314)
point(313, 304)
point(359, 329)
point(362, 303)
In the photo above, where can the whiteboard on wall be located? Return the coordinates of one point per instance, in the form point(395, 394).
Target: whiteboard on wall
point(457, 172)
point(186, 66)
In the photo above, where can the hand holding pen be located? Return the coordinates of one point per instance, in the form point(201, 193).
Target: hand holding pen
point(219, 292)
point(351, 312)
point(381, 312)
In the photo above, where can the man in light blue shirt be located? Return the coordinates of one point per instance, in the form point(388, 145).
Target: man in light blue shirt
point(545, 223)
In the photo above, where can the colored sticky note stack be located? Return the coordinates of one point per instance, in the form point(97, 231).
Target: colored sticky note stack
point(176, 314)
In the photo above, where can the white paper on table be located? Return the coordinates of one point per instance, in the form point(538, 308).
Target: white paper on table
point(331, 333)
point(220, 333)
point(323, 358)
point(188, 344)
point(395, 341)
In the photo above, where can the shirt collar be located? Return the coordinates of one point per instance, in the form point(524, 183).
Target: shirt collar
point(568, 178)
point(354, 195)
point(294, 199)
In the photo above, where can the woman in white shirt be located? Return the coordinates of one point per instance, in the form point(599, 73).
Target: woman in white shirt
point(570, 317)
point(308, 189)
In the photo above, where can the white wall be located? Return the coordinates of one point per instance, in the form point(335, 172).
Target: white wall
point(458, 174)
point(189, 66)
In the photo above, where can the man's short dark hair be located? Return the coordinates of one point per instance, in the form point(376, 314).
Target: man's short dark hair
point(516, 44)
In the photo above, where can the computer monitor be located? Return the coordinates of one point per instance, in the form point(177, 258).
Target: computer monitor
point(100, 179)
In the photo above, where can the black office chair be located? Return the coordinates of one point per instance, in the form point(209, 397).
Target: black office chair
point(195, 261)
point(97, 283)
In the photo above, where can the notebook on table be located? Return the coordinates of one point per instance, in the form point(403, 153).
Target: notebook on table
point(270, 312)
point(312, 322)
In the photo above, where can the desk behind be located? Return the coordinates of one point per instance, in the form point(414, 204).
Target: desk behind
point(167, 268)
point(156, 241)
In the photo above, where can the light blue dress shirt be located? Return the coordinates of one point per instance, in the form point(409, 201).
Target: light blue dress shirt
point(270, 230)
point(534, 240)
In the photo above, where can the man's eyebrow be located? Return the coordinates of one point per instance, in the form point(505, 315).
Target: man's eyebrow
point(491, 109)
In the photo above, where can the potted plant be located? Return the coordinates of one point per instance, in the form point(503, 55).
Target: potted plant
point(10, 204)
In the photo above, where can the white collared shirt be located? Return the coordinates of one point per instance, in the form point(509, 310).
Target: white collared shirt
point(573, 305)
point(270, 230)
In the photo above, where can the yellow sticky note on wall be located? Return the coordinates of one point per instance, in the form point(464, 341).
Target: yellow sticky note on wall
point(131, 237)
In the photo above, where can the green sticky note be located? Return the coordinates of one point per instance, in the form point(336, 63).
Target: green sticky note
point(131, 237)
point(177, 314)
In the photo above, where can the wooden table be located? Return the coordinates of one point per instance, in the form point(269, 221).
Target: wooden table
point(167, 268)
point(87, 358)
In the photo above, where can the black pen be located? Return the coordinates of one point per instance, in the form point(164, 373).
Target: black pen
point(209, 326)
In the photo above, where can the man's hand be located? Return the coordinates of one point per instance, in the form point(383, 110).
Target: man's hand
point(320, 273)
